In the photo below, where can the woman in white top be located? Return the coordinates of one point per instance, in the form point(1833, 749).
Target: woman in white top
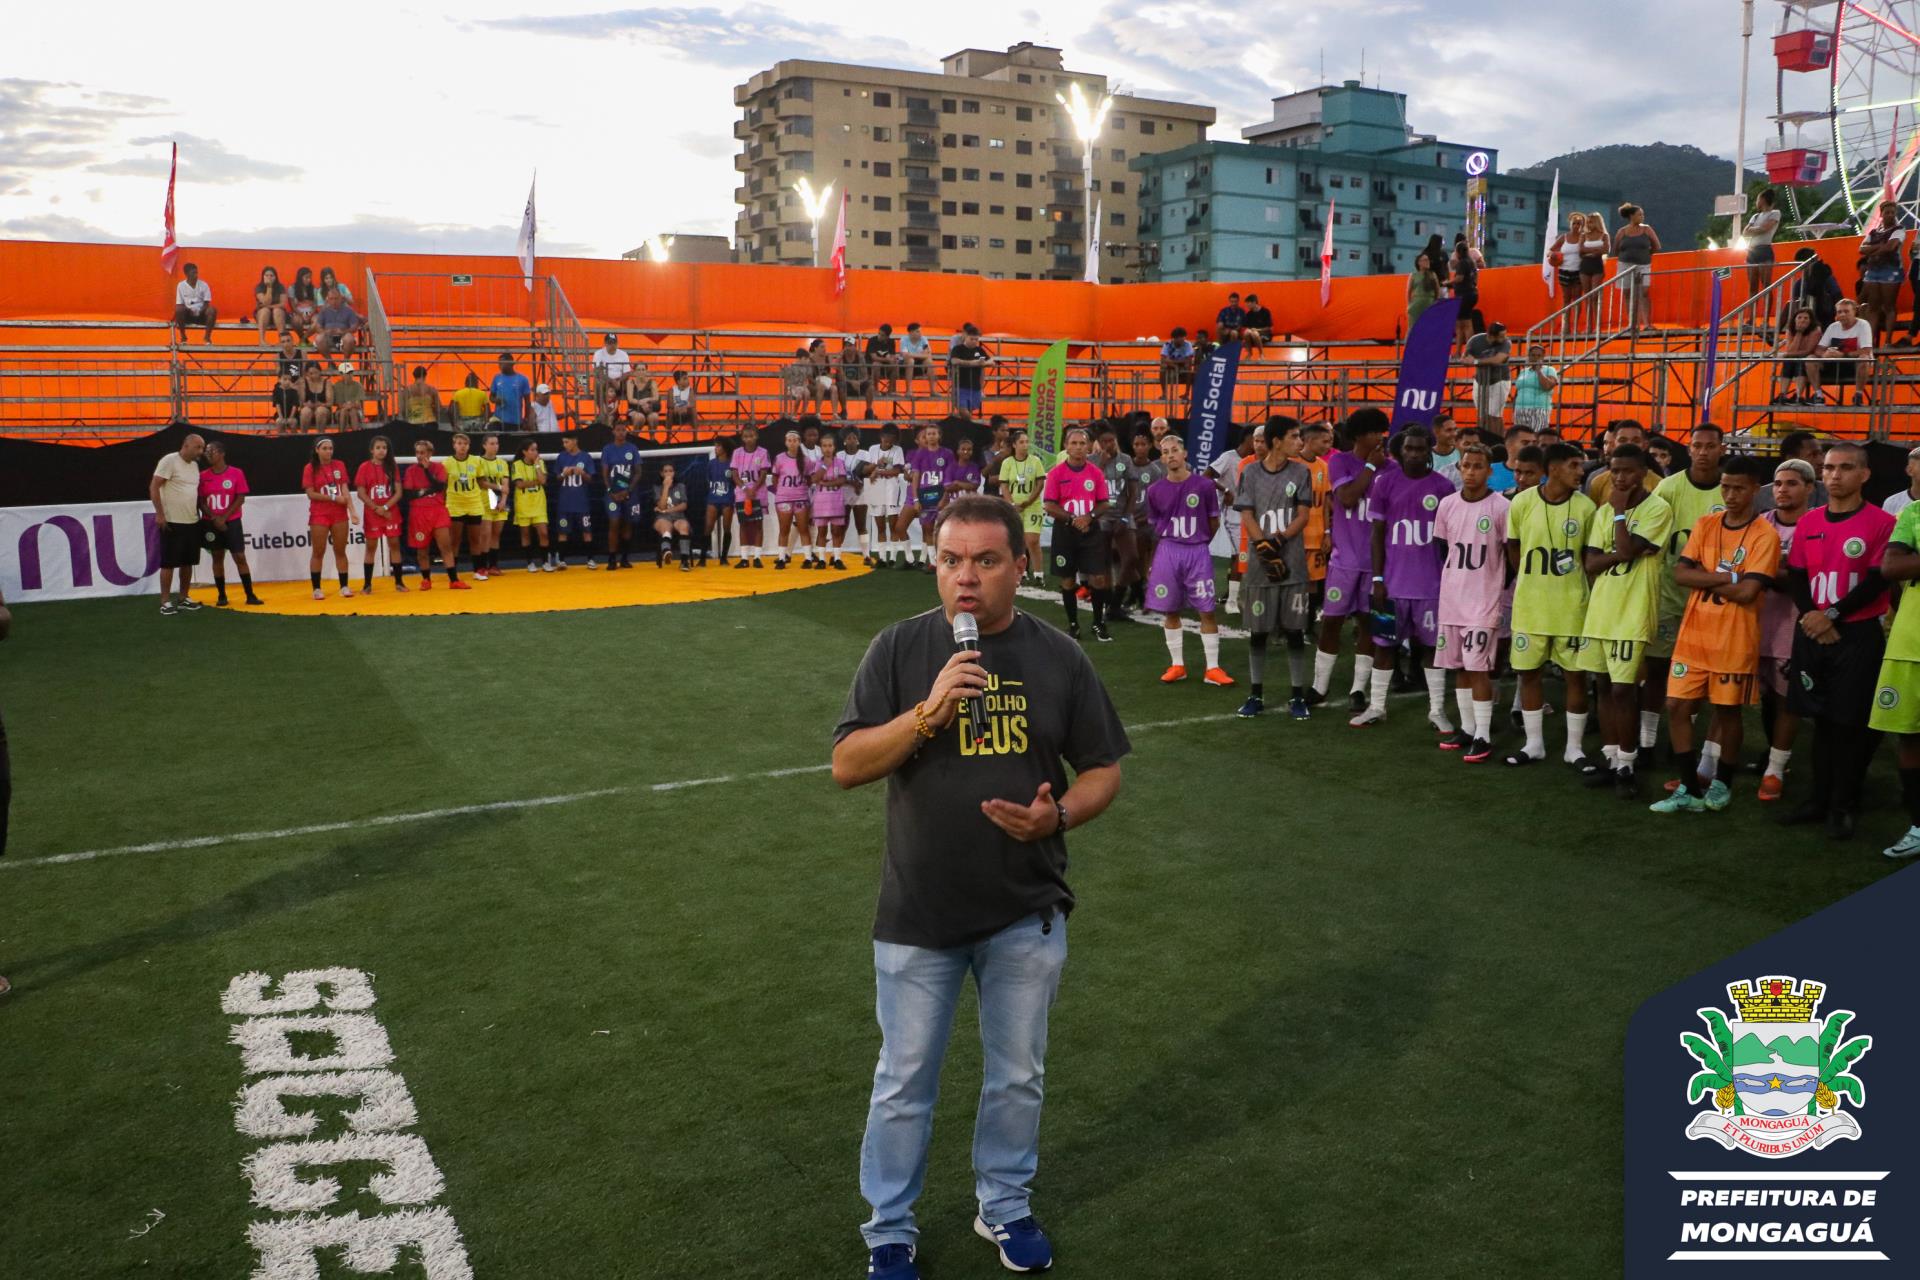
point(1761, 229)
point(1564, 254)
point(1593, 262)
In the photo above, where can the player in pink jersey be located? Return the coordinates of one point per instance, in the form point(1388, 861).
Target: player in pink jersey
point(377, 480)
point(790, 495)
point(1834, 578)
point(1779, 618)
point(827, 482)
point(1470, 528)
point(223, 497)
point(1074, 494)
point(329, 512)
point(748, 469)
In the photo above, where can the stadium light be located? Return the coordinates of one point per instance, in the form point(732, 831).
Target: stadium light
point(659, 248)
point(1088, 118)
point(815, 203)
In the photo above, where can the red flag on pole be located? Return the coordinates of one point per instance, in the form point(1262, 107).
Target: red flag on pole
point(169, 247)
point(1326, 257)
point(840, 250)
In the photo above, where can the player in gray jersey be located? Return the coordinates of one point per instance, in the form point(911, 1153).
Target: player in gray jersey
point(1116, 524)
point(1275, 496)
point(1147, 468)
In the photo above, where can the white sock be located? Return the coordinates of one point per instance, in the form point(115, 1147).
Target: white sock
point(1649, 728)
point(1483, 720)
point(1576, 730)
point(1612, 754)
point(1624, 759)
point(1362, 672)
point(1381, 680)
point(1536, 726)
point(1323, 670)
point(1437, 699)
point(1210, 645)
point(1777, 761)
point(1463, 702)
point(1709, 767)
point(1176, 645)
point(1233, 595)
point(1516, 698)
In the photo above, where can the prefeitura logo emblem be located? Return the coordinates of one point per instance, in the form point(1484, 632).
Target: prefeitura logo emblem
point(1775, 1075)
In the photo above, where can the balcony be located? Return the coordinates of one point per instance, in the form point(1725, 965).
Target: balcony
point(1195, 182)
point(1193, 259)
point(1311, 185)
point(1311, 220)
point(923, 186)
point(1067, 230)
point(1380, 228)
point(921, 146)
point(742, 194)
point(1067, 268)
point(922, 116)
point(798, 252)
point(790, 142)
point(1066, 198)
point(923, 220)
point(795, 106)
point(792, 166)
point(742, 129)
point(1386, 195)
point(922, 255)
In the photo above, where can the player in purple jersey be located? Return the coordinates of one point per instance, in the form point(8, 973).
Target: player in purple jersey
point(1185, 512)
point(1350, 476)
point(1406, 573)
point(790, 494)
point(929, 469)
point(1470, 529)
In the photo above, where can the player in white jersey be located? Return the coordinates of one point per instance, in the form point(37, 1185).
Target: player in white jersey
point(883, 487)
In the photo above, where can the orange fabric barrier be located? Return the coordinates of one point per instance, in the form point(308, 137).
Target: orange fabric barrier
point(54, 280)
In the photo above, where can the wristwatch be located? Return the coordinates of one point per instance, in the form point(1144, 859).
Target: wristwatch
point(1832, 612)
point(1060, 808)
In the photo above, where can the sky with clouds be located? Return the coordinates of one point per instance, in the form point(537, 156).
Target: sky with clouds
point(401, 126)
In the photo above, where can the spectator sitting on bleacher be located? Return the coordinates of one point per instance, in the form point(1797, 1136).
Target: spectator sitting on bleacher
point(420, 400)
point(1203, 346)
point(610, 368)
point(339, 325)
point(303, 303)
point(883, 358)
point(643, 398)
point(1176, 362)
point(855, 378)
point(348, 398)
point(546, 419)
point(680, 400)
point(916, 360)
point(286, 387)
point(470, 406)
point(315, 403)
point(820, 380)
point(193, 304)
point(794, 382)
point(1258, 330)
point(510, 392)
point(269, 303)
point(330, 283)
point(1231, 319)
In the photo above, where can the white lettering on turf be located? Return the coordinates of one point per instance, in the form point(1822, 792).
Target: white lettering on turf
point(352, 1067)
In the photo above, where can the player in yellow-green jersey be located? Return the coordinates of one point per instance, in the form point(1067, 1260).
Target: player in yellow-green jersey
point(1624, 558)
point(1693, 495)
point(1546, 526)
point(1896, 701)
point(497, 492)
point(1021, 477)
point(467, 502)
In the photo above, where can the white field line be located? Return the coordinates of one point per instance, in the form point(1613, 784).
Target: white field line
point(455, 811)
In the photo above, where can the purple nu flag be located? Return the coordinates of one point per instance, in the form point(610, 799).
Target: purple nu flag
point(1212, 414)
point(1423, 365)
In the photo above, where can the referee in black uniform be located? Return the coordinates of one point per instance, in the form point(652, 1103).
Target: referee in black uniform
point(974, 879)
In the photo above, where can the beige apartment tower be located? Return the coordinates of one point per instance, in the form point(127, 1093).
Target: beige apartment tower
point(974, 170)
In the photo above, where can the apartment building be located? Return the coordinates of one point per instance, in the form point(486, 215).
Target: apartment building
point(974, 169)
point(1257, 210)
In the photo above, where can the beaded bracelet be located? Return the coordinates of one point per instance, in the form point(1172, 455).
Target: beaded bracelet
point(920, 725)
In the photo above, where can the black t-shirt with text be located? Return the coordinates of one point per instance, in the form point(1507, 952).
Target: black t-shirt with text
point(967, 377)
point(951, 876)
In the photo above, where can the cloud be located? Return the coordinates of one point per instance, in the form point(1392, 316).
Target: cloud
point(753, 37)
point(53, 127)
point(59, 226)
point(201, 160)
point(366, 233)
point(708, 146)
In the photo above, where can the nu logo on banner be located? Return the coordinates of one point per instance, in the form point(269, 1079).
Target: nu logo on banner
point(84, 553)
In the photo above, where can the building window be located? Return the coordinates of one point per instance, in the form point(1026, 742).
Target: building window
point(948, 175)
point(969, 139)
point(1419, 191)
point(1117, 187)
point(1353, 255)
point(996, 144)
point(883, 204)
point(1116, 219)
point(1119, 124)
point(999, 110)
point(881, 133)
point(1021, 213)
point(915, 240)
point(919, 206)
point(1061, 249)
point(1146, 126)
point(969, 108)
point(1118, 155)
point(1269, 177)
point(918, 104)
point(949, 106)
point(996, 210)
point(1273, 251)
point(948, 242)
point(883, 168)
point(1419, 227)
point(1023, 78)
point(970, 175)
point(949, 139)
point(882, 99)
point(969, 207)
point(949, 207)
point(1023, 180)
point(1272, 212)
point(1501, 200)
point(1023, 113)
point(996, 177)
point(1519, 202)
point(996, 242)
point(1354, 219)
point(969, 242)
point(1023, 246)
point(883, 237)
point(1336, 181)
point(1022, 147)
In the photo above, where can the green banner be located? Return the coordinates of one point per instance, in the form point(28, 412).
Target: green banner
point(1047, 406)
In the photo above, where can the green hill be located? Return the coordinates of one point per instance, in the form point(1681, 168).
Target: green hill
point(1675, 185)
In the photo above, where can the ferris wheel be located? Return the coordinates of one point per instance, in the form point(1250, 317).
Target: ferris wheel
point(1847, 106)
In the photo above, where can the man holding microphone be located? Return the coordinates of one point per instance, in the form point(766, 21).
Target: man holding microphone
point(975, 743)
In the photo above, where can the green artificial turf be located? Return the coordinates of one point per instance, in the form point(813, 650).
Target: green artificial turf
point(1337, 1005)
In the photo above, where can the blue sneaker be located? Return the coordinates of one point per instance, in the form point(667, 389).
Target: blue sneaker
point(1298, 709)
point(892, 1262)
point(1022, 1244)
point(1252, 707)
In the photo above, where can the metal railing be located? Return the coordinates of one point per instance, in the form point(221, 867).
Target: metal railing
point(380, 334)
point(1749, 332)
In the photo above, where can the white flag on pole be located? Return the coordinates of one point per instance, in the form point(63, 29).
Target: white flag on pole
point(524, 246)
point(1092, 273)
point(1548, 271)
point(1326, 255)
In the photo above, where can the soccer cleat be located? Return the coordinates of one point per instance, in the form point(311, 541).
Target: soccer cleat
point(366, 590)
point(318, 594)
point(346, 593)
point(1023, 1245)
point(1101, 633)
point(591, 564)
point(1679, 800)
point(1520, 759)
point(1314, 697)
point(1357, 700)
point(220, 601)
point(1455, 740)
point(426, 583)
point(167, 610)
point(479, 575)
point(1906, 846)
point(781, 563)
point(188, 604)
point(686, 566)
point(460, 586)
point(253, 599)
point(1252, 707)
point(740, 564)
point(533, 566)
point(1218, 678)
point(1298, 709)
point(1626, 784)
point(758, 563)
point(1173, 675)
point(1719, 796)
point(1368, 717)
point(892, 1262)
point(1478, 751)
point(1771, 787)
point(397, 586)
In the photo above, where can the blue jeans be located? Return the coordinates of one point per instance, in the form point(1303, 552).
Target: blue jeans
point(1017, 973)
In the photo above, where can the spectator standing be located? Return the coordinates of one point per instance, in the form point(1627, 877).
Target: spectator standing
point(611, 365)
point(303, 304)
point(174, 492)
point(1759, 233)
point(223, 496)
point(1230, 319)
point(1846, 344)
point(347, 398)
point(1881, 269)
point(1533, 392)
point(1593, 263)
point(1564, 256)
point(1490, 353)
point(1463, 279)
point(1900, 501)
point(546, 417)
point(1634, 245)
point(855, 378)
point(1258, 331)
point(340, 325)
point(967, 361)
point(470, 405)
point(1176, 367)
point(1814, 287)
point(193, 304)
point(1423, 289)
point(269, 303)
point(510, 392)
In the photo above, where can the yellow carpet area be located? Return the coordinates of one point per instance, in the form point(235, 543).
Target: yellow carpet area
point(517, 591)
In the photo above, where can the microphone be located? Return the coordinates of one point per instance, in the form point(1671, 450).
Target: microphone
point(966, 636)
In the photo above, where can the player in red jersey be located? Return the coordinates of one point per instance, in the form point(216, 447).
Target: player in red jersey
point(378, 482)
point(425, 484)
point(329, 513)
